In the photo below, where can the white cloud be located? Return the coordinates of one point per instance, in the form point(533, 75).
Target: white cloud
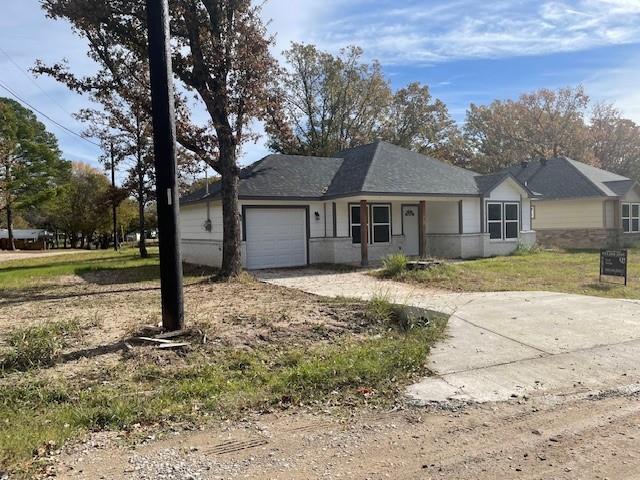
point(419, 33)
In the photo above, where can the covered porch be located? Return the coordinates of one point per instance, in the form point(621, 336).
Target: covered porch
point(367, 229)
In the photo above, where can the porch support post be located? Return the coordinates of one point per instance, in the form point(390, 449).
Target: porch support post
point(422, 230)
point(364, 233)
point(617, 222)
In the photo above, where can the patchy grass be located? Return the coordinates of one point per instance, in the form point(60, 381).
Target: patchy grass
point(17, 274)
point(267, 348)
point(104, 267)
point(37, 346)
point(557, 271)
point(40, 415)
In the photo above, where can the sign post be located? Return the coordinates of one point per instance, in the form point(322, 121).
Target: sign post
point(613, 263)
point(164, 149)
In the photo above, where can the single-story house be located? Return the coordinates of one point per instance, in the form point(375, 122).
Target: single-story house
point(580, 206)
point(361, 204)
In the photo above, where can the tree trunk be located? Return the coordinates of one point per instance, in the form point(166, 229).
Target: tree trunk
point(231, 261)
point(10, 243)
point(142, 245)
point(142, 227)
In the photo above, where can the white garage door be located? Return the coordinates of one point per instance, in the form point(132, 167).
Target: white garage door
point(275, 237)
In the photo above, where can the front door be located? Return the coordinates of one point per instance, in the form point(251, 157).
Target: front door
point(410, 230)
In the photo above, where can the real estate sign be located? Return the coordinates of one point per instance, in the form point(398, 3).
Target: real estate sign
point(613, 263)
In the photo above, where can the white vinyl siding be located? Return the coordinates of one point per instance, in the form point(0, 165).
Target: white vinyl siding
point(471, 215)
point(442, 217)
point(193, 219)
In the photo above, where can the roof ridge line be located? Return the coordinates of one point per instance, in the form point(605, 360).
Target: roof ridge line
point(570, 162)
point(373, 157)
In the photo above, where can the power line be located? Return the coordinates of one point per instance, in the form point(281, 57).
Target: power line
point(31, 79)
point(22, 100)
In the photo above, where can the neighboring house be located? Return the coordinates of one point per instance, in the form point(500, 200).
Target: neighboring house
point(24, 234)
point(25, 239)
point(580, 206)
point(361, 204)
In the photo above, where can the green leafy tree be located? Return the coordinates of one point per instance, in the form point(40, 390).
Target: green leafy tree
point(85, 205)
point(30, 163)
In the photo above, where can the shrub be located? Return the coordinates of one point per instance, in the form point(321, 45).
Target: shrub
point(394, 265)
point(524, 250)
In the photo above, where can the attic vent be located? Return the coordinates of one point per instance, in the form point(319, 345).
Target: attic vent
point(324, 189)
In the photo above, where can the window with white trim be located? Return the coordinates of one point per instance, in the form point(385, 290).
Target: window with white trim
point(494, 220)
point(503, 220)
point(630, 217)
point(354, 219)
point(379, 223)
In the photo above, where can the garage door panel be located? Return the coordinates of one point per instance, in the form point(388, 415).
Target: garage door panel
point(275, 237)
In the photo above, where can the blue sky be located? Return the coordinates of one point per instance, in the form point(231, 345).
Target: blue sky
point(465, 50)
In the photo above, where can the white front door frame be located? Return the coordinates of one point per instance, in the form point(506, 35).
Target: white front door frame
point(411, 229)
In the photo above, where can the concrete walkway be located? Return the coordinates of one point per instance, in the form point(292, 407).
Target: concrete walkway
point(505, 344)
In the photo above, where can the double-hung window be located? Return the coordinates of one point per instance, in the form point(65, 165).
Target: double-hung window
point(631, 217)
point(503, 220)
point(379, 223)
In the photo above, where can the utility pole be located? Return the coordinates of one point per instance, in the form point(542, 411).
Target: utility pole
point(164, 146)
point(113, 199)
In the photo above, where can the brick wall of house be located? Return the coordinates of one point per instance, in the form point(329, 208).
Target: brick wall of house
point(581, 238)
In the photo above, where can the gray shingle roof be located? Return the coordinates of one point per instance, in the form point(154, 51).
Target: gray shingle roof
point(562, 177)
point(375, 168)
point(620, 187)
point(385, 168)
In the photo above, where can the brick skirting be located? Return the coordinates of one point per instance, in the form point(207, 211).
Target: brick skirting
point(584, 238)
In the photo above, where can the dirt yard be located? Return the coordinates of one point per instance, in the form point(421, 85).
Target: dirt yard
point(273, 388)
point(560, 438)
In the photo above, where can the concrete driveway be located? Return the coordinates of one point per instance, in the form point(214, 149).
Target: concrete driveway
point(506, 344)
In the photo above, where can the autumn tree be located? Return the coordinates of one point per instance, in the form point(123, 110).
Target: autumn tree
point(545, 123)
point(220, 53)
point(331, 102)
point(417, 121)
point(614, 141)
point(30, 163)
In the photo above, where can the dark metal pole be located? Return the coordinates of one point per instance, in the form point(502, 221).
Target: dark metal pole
point(164, 146)
point(113, 200)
